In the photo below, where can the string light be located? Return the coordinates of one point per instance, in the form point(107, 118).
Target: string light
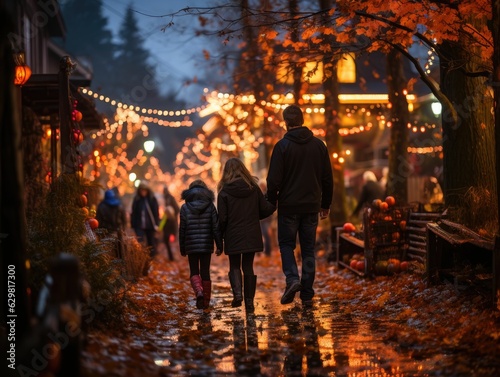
point(138, 109)
point(200, 156)
point(430, 59)
point(425, 150)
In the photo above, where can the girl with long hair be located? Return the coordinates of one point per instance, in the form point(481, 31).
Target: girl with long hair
point(241, 205)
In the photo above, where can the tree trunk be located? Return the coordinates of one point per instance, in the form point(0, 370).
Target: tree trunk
point(252, 67)
point(399, 167)
point(338, 213)
point(468, 144)
point(252, 52)
point(496, 89)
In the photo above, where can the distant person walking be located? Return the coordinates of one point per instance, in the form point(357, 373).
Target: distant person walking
point(300, 181)
point(241, 205)
point(371, 190)
point(144, 218)
point(110, 213)
point(170, 229)
point(112, 217)
point(198, 230)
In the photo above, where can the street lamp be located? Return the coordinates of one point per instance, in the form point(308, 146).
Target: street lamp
point(149, 146)
point(436, 108)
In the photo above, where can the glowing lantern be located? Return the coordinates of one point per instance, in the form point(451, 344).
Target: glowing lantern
point(23, 71)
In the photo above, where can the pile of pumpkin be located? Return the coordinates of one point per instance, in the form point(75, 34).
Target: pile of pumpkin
point(387, 267)
point(390, 267)
point(357, 262)
point(391, 222)
point(88, 213)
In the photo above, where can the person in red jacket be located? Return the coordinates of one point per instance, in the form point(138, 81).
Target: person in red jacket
point(300, 181)
point(241, 206)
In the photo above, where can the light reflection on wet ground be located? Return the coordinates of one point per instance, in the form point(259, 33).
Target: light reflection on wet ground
point(280, 340)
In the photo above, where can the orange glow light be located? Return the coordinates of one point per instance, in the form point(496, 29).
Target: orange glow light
point(22, 74)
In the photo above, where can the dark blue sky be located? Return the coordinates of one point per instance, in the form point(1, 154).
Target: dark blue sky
point(178, 56)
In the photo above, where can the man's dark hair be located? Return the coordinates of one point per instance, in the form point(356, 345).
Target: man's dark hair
point(293, 116)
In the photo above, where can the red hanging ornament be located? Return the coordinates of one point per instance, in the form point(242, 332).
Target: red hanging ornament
point(76, 136)
point(77, 115)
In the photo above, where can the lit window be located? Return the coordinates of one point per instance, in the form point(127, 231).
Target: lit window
point(346, 69)
point(313, 72)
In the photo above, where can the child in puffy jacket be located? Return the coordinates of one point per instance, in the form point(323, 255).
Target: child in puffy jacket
point(198, 230)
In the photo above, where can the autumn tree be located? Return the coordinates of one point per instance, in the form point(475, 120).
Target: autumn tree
point(468, 138)
point(470, 183)
point(252, 74)
point(457, 32)
point(380, 26)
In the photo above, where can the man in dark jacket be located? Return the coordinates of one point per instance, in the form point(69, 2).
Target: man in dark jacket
point(300, 180)
point(144, 218)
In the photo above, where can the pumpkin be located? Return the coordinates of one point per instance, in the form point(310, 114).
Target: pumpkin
point(94, 224)
point(349, 227)
point(402, 225)
point(384, 206)
point(381, 267)
point(360, 265)
point(390, 201)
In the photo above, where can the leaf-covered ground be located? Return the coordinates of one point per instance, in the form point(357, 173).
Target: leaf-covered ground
point(387, 326)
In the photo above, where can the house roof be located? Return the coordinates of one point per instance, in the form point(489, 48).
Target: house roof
point(41, 93)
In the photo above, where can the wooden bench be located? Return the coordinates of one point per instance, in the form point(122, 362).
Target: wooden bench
point(460, 255)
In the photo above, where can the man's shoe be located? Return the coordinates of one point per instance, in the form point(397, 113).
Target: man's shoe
point(290, 291)
point(307, 304)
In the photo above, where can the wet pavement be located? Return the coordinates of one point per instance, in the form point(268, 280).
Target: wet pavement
point(168, 336)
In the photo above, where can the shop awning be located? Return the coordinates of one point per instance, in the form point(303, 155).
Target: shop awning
point(41, 94)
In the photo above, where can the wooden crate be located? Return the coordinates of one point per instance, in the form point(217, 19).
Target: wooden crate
point(348, 245)
point(417, 234)
point(385, 235)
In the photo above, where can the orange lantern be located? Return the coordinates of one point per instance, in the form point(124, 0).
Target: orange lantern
point(23, 71)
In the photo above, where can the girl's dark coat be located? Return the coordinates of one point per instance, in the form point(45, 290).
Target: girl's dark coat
point(240, 210)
